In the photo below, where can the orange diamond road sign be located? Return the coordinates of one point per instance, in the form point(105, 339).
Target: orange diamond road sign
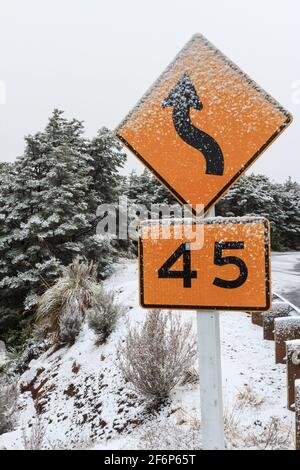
point(202, 124)
point(230, 271)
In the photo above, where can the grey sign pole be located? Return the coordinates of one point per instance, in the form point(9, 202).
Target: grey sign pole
point(209, 353)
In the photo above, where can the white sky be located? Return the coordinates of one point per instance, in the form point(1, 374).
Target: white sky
point(94, 59)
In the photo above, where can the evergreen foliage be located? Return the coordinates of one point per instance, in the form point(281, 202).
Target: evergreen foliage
point(48, 202)
point(251, 195)
point(279, 202)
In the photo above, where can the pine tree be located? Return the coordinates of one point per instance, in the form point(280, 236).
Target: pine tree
point(147, 190)
point(257, 195)
point(108, 158)
point(7, 202)
point(251, 195)
point(288, 215)
point(50, 215)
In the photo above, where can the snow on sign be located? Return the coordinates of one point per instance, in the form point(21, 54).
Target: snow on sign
point(202, 124)
point(228, 271)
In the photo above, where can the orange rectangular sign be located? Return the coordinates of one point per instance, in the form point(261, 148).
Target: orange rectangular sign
point(217, 264)
point(201, 125)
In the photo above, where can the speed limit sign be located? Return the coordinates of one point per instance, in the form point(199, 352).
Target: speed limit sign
point(219, 264)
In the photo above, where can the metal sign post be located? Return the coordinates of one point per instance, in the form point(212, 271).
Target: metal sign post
point(209, 349)
point(210, 373)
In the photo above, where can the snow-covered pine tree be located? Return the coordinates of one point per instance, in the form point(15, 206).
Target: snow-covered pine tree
point(51, 213)
point(107, 159)
point(287, 215)
point(7, 203)
point(256, 194)
point(131, 186)
point(146, 189)
point(250, 195)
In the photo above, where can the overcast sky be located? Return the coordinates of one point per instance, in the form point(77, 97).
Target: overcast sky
point(94, 59)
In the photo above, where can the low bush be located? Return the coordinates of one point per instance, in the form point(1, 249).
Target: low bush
point(104, 314)
point(34, 439)
point(70, 324)
point(155, 357)
point(157, 435)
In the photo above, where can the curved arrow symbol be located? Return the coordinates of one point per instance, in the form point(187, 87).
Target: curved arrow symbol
point(183, 97)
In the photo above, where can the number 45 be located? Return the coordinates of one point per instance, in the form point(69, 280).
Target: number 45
point(187, 274)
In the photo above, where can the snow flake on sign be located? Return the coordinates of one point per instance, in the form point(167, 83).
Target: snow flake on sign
point(211, 220)
point(218, 77)
point(157, 229)
point(201, 125)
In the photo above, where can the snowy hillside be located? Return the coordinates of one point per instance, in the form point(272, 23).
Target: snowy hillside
point(82, 401)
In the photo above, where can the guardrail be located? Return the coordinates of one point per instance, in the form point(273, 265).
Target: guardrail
point(297, 309)
point(282, 325)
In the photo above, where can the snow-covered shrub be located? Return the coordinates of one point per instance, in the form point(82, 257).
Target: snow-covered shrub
point(248, 396)
point(73, 292)
point(270, 434)
point(8, 401)
point(155, 357)
point(102, 248)
point(104, 314)
point(170, 436)
point(70, 323)
point(275, 435)
point(35, 438)
point(233, 415)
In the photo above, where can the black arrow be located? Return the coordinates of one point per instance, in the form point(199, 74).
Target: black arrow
point(183, 97)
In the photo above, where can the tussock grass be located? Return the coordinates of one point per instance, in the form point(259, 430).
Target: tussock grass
point(74, 291)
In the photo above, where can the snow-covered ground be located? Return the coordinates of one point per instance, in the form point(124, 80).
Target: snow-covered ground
point(84, 402)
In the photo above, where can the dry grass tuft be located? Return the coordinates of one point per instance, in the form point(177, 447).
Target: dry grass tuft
point(248, 396)
point(275, 435)
point(34, 439)
point(170, 436)
point(191, 376)
point(72, 292)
